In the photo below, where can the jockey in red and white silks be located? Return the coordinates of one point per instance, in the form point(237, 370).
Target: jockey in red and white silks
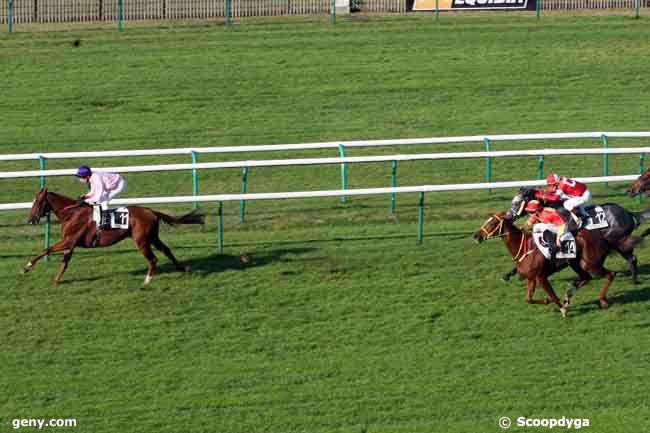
point(573, 194)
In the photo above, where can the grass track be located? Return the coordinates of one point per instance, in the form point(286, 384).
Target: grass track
point(340, 322)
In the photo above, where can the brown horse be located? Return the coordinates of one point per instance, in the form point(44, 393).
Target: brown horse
point(641, 184)
point(79, 230)
point(531, 264)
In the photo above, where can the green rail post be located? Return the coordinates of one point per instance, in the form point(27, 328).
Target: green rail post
point(220, 227)
point(10, 15)
point(437, 11)
point(540, 167)
point(41, 165)
point(228, 14)
point(637, 7)
point(195, 179)
point(344, 174)
point(244, 187)
point(393, 184)
point(421, 218)
point(333, 14)
point(488, 162)
point(119, 15)
point(641, 165)
point(605, 158)
point(538, 9)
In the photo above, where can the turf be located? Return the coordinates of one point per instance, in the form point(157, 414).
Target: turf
point(319, 316)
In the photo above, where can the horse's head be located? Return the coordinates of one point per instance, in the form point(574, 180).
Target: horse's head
point(493, 227)
point(40, 208)
point(519, 202)
point(642, 184)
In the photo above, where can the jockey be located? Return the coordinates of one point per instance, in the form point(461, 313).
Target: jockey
point(549, 221)
point(104, 187)
point(572, 193)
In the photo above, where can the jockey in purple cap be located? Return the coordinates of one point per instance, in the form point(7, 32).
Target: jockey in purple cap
point(104, 187)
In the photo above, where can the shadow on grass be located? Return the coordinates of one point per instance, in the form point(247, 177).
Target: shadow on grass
point(216, 263)
point(638, 294)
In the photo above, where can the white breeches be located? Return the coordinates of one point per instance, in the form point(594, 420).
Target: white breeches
point(110, 195)
point(575, 202)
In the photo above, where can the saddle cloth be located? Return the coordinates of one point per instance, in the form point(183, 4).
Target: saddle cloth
point(118, 217)
point(596, 218)
point(567, 248)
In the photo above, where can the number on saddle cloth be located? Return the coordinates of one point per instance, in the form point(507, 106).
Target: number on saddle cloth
point(596, 218)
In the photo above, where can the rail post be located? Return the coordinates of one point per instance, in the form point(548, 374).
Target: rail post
point(639, 197)
point(195, 179)
point(488, 162)
point(220, 227)
point(41, 164)
point(605, 158)
point(10, 15)
point(393, 184)
point(540, 167)
point(244, 188)
point(344, 174)
point(437, 11)
point(421, 218)
point(228, 14)
point(120, 15)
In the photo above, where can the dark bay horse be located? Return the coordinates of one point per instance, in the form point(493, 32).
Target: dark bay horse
point(621, 223)
point(79, 230)
point(531, 264)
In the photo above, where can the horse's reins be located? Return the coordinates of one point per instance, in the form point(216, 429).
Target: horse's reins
point(499, 227)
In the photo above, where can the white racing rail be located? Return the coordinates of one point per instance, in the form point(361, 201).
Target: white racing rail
point(332, 160)
point(335, 193)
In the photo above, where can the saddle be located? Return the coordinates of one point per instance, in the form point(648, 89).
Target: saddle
point(544, 239)
point(595, 218)
point(117, 218)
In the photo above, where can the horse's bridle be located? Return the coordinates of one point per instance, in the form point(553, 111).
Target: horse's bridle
point(498, 230)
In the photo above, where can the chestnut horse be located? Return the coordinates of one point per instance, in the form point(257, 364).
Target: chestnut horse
point(79, 230)
point(641, 184)
point(591, 252)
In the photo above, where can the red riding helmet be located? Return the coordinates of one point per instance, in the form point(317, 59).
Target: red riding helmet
point(533, 206)
point(552, 179)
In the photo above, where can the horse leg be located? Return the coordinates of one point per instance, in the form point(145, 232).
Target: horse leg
point(160, 246)
point(631, 259)
point(506, 276)
point(582, 279)
point(67, 254)
point(543, 280)
point(59, 246)
point(601, 271)
point(530, 291)
point(145, 249)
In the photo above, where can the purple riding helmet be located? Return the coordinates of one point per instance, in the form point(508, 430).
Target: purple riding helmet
point(84, 171)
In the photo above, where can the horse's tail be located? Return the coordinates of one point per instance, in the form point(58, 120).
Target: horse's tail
point(641, 217)
point(194, 217)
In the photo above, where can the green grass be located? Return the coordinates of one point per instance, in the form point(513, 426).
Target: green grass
point(339, 322)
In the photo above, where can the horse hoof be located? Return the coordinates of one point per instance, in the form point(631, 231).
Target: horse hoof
point(147, 279)
point(563, 310)
point(505, 278)
point(188, 269)
point(603, 304)
point(25, 270)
